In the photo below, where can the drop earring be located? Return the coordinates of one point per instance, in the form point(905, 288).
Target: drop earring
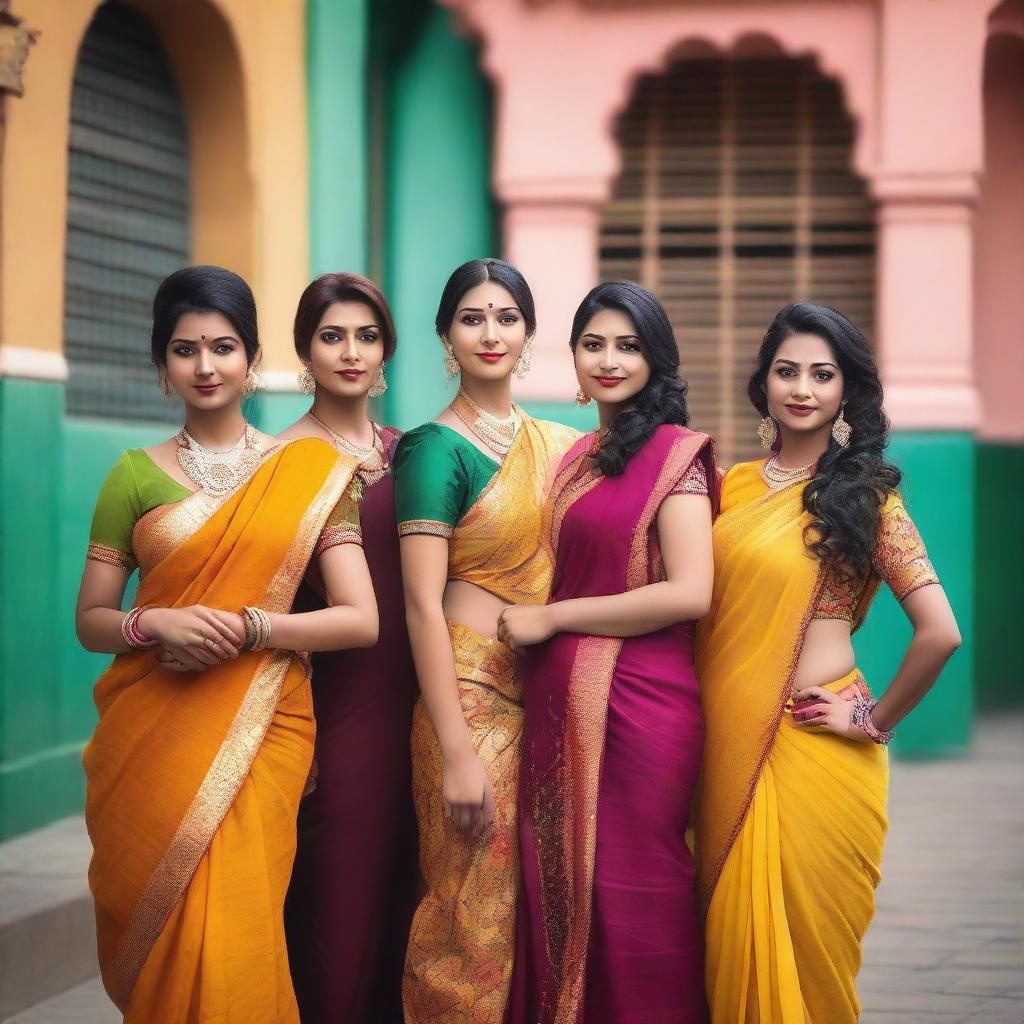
point(379, 386)
point(522, 367)
point(841, 430)
point(165, 388)
point(307, 382)
point(451, 364)
point(767, 432)
point(582, 398)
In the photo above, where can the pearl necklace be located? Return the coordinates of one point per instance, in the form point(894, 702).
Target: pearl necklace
point(218, 473)
point(776, 476)
point(497, 432)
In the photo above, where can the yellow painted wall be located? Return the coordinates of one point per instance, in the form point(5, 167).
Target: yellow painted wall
point(241, 70)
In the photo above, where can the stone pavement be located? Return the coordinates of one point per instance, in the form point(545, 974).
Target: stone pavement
point(947, 945)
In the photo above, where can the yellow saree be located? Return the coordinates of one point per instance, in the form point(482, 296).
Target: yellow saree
point(790, 824)
point(459, 961)
point(194, 780)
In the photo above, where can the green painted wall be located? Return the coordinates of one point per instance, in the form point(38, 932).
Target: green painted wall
point(438, 211)
point(336, 76)
point(583, 418)
point(999, 560)
point(938, 487)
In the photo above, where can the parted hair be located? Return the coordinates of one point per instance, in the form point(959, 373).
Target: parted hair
point(323, 291)
point(474, 273)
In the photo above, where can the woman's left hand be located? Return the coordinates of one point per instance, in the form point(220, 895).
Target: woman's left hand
point(832, 714)
point(520, 625)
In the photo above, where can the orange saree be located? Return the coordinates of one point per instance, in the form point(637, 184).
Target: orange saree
point(194, 780)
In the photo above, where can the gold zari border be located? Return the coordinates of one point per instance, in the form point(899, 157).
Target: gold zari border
point(426, 526)
point(333, 536)
point(111, 556)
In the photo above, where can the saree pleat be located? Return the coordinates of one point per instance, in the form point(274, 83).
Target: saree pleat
point(790, 830)
point(173, 754)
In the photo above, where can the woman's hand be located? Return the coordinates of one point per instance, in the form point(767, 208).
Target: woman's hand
point(193, 638)
point(468, 795)
point(521, 625)
point(832, 713)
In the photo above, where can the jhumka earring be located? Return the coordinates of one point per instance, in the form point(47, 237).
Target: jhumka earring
point(379, 386)
point(253, 382)
point(767, 432)
point(165, 388)
point(307, 382)
point(451, 364)
point(582, 398)
point(841, 430)
point(522, 367)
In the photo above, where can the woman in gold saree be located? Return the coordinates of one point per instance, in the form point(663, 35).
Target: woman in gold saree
point(205, 731)
point(468, 492)
point(792, 812)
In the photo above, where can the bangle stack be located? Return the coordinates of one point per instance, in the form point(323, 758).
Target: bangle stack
point(861, 717)
point(132, 634)
point(257, 628)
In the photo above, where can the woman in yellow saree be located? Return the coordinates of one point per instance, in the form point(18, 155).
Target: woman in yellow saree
point(791, 816)
point(205, 731)
point(468, 492)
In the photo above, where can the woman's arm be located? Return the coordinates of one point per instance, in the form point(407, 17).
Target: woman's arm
point(468, 795)
point(684, 536)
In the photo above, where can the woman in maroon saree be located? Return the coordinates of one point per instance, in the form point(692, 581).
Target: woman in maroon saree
point(608, 928)
point(353, 886)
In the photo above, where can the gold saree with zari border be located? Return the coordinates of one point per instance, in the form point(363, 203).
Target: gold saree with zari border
point(790, 823)
point(194, 779)
point(459, 960)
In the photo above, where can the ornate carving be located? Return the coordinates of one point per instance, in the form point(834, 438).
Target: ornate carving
point(15, 40)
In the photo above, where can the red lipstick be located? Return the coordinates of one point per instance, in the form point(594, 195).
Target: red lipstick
point(352, 375)
point(609, 382)
point(800, 410)
point(491, 357)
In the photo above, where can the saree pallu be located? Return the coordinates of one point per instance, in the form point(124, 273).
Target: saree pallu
point(790, 824)
point(608, 930)
point(194, 779)
point(459, 960)
point(353, 886)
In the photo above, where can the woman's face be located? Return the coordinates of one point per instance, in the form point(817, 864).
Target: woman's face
point(346, 351)
point(804, 385)
point(610, 361)
point(488, 332)
point(205, 361)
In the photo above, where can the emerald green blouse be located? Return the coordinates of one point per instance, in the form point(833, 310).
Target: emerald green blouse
point(438, 474)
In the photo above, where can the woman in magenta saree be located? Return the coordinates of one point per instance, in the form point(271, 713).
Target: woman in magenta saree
point(608, 929)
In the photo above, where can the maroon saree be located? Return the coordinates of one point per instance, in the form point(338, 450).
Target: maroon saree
point(353, 886)
point(608, 930)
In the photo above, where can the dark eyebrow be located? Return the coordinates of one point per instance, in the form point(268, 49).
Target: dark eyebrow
point(479, 309)
point(212, 341)
point(618, 337)
point(335, 327)
point(793, 362)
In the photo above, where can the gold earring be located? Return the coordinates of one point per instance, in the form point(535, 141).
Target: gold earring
point(522, 367)
point(253, 382)
point(768, 432)
point(451, 364)
point(841, 430)
point(165, 387)
point(307, 382)
point(379, 386)
point(582, 398)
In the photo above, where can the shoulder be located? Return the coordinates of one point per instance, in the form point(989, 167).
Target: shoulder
point(305, 447)
point(300, 428)
point(557, 435)
point(427, 437)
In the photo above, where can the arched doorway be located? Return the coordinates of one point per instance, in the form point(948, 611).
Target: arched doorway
point(736, 196)
point(128, 213)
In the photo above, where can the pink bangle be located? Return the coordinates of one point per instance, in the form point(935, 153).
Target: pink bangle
point(132, 633)
point(861, 717)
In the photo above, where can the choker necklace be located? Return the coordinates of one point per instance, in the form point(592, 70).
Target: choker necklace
point(218, 473)
point(497, 432)
point(776, 476)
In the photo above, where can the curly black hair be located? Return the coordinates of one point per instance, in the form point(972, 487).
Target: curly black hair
point(850, 485)
point(663, 397)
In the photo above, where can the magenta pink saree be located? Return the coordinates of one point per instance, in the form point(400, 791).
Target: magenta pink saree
point(608, 928)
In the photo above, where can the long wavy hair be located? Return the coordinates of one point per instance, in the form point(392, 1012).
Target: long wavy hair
point(663, 397)
point(850, 485)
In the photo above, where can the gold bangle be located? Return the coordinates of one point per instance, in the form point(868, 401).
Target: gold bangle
point(257, 628)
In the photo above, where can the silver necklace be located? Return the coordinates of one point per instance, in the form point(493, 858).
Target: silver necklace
point(776, 476)
point(497, 432)
point(218, 473)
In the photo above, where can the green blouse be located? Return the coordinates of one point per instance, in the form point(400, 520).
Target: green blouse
point(137, 485)
point(438, 475)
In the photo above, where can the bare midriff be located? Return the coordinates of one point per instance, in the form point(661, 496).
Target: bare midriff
point(472, 606)
point(827, 654)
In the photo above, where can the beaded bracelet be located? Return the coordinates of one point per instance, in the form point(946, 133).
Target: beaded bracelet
point(257, 628)
point(132, 634)
point(861, 717)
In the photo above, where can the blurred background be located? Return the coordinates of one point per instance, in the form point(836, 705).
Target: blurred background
point(734, 157)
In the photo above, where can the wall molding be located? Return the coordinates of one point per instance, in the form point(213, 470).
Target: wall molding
point(32, 363)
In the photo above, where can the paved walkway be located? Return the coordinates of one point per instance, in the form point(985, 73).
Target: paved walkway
point(947, 945)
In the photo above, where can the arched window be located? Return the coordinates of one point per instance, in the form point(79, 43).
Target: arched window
point(736, 196)
point(128, 214)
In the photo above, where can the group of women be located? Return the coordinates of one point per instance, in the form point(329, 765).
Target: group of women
point(605, 692)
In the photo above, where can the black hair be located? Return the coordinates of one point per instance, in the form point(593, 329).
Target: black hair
point(203, 289)
point(475, 272)
point(663, 398)
point(850, 485)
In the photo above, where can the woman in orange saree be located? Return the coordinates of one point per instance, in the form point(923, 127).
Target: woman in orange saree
point(469, 489)
point(205, 735)
point(791, 814)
